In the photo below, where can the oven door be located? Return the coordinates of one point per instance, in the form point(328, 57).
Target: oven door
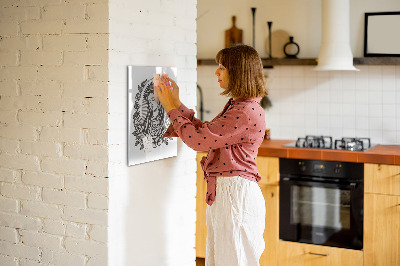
point(321, 212)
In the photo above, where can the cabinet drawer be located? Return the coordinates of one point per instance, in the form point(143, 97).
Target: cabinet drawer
point(382, 179)
point(299, 254)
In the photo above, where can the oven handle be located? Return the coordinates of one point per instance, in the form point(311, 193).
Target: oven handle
point(310, 182)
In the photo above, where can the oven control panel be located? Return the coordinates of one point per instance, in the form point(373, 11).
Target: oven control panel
point(317, 168)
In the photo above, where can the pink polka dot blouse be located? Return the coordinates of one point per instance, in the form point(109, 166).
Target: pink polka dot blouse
point(232, 139)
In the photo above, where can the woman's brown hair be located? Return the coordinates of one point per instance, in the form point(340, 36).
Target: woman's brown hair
point(245, 69)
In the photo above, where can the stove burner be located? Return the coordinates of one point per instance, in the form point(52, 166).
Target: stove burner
point(353, 144)
point(324, 142)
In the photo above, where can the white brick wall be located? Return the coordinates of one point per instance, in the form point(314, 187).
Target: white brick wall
point(152, 205)
point(60, 138)
point(53, 135)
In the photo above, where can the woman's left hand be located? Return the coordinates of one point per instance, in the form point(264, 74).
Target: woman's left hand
point(165, 96)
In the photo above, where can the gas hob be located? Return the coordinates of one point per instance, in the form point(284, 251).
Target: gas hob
point(327, 142)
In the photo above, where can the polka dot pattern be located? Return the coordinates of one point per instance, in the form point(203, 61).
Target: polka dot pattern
point(232, 139)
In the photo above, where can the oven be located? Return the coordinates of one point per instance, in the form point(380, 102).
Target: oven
point(321, 202)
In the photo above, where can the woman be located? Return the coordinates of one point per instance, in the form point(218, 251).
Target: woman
point(236, 211)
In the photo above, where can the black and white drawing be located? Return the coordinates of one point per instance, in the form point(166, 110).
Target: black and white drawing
point(147, 120)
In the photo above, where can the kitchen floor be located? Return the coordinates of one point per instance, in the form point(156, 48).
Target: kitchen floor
point(200, 262)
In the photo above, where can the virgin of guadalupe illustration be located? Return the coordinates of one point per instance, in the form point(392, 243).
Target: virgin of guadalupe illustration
point(147, 120)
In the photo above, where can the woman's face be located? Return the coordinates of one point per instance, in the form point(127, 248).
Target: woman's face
point(223, 76)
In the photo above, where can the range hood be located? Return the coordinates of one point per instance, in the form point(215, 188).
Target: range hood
point(335, 52)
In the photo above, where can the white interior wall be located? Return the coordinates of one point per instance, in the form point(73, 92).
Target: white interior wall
point(300, 19)
point(152, 205)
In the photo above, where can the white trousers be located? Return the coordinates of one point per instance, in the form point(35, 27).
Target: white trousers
point(235, 223)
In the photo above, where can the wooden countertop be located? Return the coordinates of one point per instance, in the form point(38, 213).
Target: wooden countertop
point(380, 154)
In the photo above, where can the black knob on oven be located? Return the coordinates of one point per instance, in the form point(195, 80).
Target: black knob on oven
point(338, 169)
point(302, 166)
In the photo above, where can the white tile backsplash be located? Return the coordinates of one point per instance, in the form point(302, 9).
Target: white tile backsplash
point(363, 103)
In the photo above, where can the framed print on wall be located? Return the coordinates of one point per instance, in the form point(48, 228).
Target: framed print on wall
point(147, 120)
point(381, 34)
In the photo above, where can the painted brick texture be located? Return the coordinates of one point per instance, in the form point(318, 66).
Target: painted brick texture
point(53, 135)
point(63, 133)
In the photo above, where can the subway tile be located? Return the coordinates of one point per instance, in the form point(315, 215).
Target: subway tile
point(323, 83)
point(349, 121)
point(298, 71)
point(376, 135)
point(298, 120)
point(323, 95)
point(389, 97)
point(310, 82)
point(311, 122)
point(323, 109)
point(374, 83)
point(375, 97)
point(349, 132)
point(362, 84)
point(389, 84)
point(362, 110)
point(336, 121)
point(389, 110)
point(325, 131)
point(349, 96)
point(323, 122)
point(298, 83)
point(398, 137)
point(362, 133)
point(389, 124)
point(310, 108)
point(375, 110)
point(388, 71)
point(335, 108)
point(389, 136)
point(398, 73)
point(375, 123)
point(348, 109)
point(362, 97)
point(310, 95)
point(285, 71)
point(336, 83)
point(336, 96)
point(362, 124)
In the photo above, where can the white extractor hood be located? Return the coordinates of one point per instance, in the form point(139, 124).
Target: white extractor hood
point(335, 52)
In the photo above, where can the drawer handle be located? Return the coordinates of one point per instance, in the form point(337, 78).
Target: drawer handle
point(318, 254)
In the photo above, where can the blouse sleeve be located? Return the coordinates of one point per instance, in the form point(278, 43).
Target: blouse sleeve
point(231, 128)
point(187, 113)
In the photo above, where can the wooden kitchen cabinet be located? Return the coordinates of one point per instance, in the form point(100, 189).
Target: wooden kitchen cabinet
point(382, 215)
point(201, 205)
point(271, 232)
point(300, 254)
point(382, 179)
point(269, 170)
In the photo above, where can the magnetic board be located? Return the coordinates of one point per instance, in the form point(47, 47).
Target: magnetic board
point(147, 120)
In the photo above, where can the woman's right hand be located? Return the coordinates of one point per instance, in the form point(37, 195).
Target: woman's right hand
point(175, 90)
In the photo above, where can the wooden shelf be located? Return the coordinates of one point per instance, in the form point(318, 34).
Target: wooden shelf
point(377, 61)
point(269, 63)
